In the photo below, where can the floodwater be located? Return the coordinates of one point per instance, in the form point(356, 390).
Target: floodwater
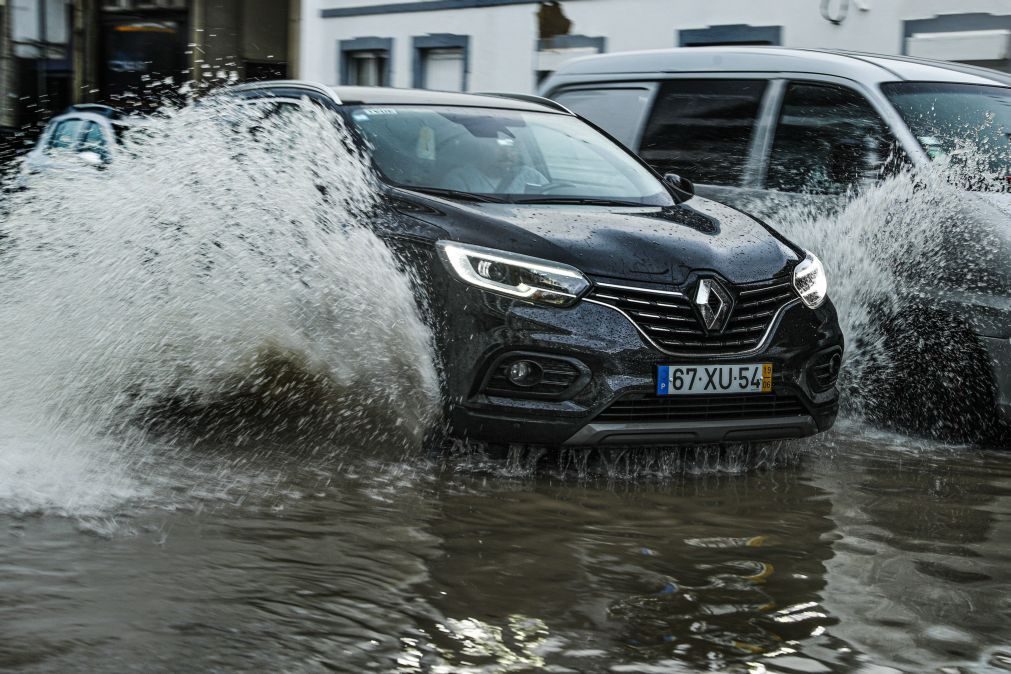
point(198, 472)
point(857, 552)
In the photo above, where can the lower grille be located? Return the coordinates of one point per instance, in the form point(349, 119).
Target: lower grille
point(646, 408)
point(560, 377)
point(825, 369)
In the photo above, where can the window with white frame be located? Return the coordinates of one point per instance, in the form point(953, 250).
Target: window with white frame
point(365, 61)
point(441, 62)
point(367, 68)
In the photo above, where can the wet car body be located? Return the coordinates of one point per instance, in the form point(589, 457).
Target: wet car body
point(597, 357)
point(964, 295)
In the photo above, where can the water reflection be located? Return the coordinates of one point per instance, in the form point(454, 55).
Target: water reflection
point(859, 554)
point(717, 568)
point(922, 566)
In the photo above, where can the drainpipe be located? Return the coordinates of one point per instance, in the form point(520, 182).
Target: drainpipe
point(85, 56)
point(294, 38)
point(198, 41)
point(8, 73)
point(43, 61)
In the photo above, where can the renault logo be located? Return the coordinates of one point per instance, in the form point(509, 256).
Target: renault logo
point(713, 303)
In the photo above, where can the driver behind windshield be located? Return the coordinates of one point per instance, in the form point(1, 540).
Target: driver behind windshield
point(496, 168)
point(502, 155)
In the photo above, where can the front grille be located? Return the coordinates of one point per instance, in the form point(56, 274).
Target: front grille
point(646, 408)
point(670, 321)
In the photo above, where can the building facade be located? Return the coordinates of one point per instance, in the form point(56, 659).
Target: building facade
point(513, 44)
point(134, 52)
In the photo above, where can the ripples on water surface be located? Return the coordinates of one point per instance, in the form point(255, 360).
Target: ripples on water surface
point(859, 552)
point(199, 282)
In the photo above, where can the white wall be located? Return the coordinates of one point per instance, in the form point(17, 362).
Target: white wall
point(651, 24)
point(503, 39)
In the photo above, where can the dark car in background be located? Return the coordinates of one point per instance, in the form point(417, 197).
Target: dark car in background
point(578, 298)
point(748, 124)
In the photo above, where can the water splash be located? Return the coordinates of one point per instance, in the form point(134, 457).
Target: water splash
point(623, 464)
point(216, 281)
point(891, 249)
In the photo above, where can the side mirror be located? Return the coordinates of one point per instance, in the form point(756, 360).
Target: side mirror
point(90, 158)
point(682, 188)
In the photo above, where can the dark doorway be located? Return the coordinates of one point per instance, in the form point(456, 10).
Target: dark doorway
point(139, 54)
point(266, 70)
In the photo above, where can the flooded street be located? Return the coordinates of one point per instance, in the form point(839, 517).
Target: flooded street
point(213, 457)
point(856, 553)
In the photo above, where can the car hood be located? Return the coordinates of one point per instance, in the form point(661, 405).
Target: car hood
point(648, 244)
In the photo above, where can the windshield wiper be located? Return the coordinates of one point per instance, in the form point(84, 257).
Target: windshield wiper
point(453, 194)
point(579, 201)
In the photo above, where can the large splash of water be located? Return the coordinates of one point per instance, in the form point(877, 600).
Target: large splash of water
point(888, 248)
point(217, 280)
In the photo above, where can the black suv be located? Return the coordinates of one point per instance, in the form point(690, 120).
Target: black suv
point(578, 298)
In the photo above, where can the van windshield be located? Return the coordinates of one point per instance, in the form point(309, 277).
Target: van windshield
point(503, 155)
point(954, 119)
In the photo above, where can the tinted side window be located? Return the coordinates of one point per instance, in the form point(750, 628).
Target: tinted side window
point(702, 129)
point(828, 139)
point(65, 135)
point(617, 111)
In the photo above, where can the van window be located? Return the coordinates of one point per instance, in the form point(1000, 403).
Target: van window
point(969, 122)
point(701, 129)
point(828, 140)
point(617, 111)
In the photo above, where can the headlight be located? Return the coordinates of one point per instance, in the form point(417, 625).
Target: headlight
point(810, 281)
point(526, 278)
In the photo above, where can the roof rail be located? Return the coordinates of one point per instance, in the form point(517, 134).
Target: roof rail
point(528, 98)
point(261, 85)
point(96, 109)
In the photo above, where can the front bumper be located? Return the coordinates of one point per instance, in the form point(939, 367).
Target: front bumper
point(693, 432)
point(999, 350)
point(483, 327)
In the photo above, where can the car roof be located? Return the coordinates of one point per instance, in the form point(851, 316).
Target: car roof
point(350, 95)
point(874, 68)
point(106, 111)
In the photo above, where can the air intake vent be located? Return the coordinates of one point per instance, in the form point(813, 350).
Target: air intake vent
point(639, 408)
point(553, 377)
point(825, 369)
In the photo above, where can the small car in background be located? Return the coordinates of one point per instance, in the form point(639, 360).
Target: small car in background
point(748, 124)
point(577, 297)
point(84, 135)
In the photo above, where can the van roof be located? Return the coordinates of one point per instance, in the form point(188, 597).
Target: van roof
point(852, 65)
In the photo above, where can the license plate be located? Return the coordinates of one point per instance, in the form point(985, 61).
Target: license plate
point(675, 380)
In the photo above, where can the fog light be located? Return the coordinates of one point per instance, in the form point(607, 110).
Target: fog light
point(525, 373)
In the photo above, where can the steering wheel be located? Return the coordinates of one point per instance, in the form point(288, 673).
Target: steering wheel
point(555, 185)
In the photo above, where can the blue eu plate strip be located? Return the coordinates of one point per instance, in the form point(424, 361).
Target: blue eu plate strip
point(662, 379)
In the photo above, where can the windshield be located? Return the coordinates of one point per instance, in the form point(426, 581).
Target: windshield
point(507, 155)
point(957, 119)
